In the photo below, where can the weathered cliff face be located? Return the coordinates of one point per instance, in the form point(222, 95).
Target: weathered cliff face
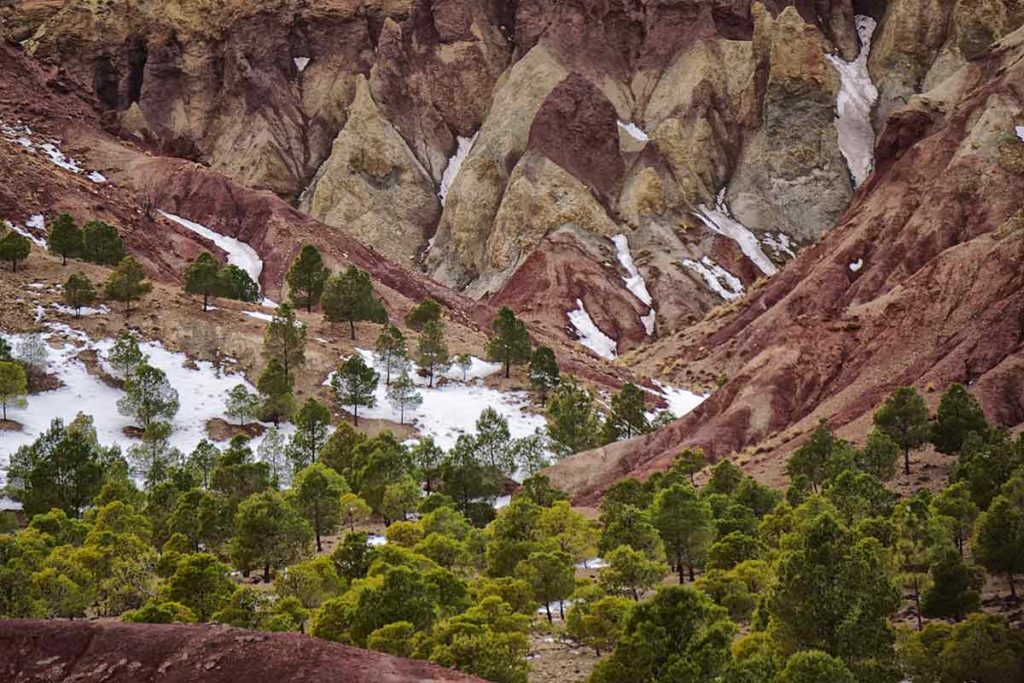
point(703, 132)
point(920, 284)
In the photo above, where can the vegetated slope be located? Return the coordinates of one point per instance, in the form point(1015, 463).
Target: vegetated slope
point(920, 284)
point(674, 124)
point(112, 652)
point(137, 182)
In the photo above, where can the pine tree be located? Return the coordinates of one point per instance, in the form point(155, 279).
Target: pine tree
point(392, 356)
point(354, 384)
point(511, 342)
point(312, 425)
point(148, 396)
point(403, 396)
point(904, 417)
point(275, 388)
point(65, 237)
point(432, 350)
point(241, 404)
point(307, 277)
point(689, 462)
point(285, 340)
point(464, 362)
point(235, 283)
point(348, 298)
point(203, 277)
point(999, 539)
point(127, 283)
point(13, 386)
point(958, 415)
point(422, 313)
point(101, 244)
point(684, 523)
point(14, 248)
point(316, 493)
point(78, 292)
point(544, 370)
point(572, 423)
point(126, 355)
point(627, 418)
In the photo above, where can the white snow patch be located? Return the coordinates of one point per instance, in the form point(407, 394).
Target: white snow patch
point(502, 502)
point(85, 310)
point(301, 63)
point(58, 158)
point(680, 401)
point(36, 222)
point(857, 96)
point(718, 279)
point(719, 220)
point(201, 390)
point(454, 164)
point(856, 265)
point(97, 177)
point(36, 239)
point(239, 253)
point(452, 409)
point(592, 563)
point(649, 321)
point(590, 335)
point(634, 131)
point(376, 539)
point(1019, 130)
point(635, 282)
point(9, 505)
point(780, 242)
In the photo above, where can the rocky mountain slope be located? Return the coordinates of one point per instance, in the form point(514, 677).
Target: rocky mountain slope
point(632, 175)
point(83, 651)
point(919, 284)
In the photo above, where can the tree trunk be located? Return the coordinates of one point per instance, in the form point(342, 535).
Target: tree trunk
point(401, 415)
point(682, 576)
point(547, 608)
point(355, 413)
point(5, 411)
point(1013, 588)
point(266, 573)
point(906, 461)
point(917, 605)
point(316, 526)
point(65, 259)
point(561, 610)
point(636, 594)
point(692, 577)
point(352, 329)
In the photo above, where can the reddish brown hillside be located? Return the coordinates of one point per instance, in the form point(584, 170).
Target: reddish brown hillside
point(920, 284)
point(71, 651)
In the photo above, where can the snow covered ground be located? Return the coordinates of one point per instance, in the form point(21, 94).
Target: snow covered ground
point(718, 279)
point(201, 390)
point(19, 134)
point(857, 96)
point(239, 253)
point(719, 220)
point(635, 282)
point(450, 410)
point(454, 164)
point(34, 235)
point(780, 242)
point(590, 335)
point(680, 401)
point(634, 131)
